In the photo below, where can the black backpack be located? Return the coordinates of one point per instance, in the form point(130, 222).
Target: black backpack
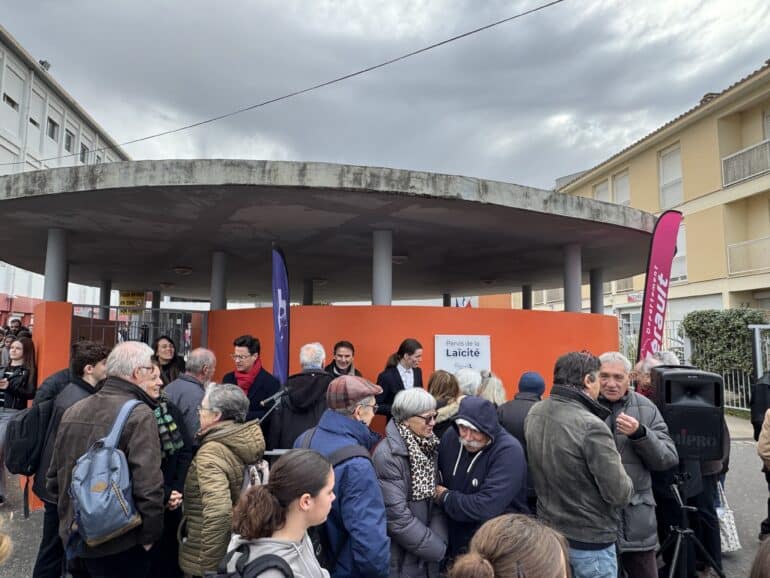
point(24, 442)
point(252, 569)
point(319, 535)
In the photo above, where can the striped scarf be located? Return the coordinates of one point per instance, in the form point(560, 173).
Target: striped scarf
point(170, 438)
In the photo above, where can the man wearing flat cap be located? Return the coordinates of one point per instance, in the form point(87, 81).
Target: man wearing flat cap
point(356, 527)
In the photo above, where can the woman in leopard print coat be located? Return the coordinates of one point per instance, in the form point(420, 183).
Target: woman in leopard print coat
point(407, 464)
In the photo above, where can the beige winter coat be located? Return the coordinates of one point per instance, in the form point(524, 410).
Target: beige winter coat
point(211, 490)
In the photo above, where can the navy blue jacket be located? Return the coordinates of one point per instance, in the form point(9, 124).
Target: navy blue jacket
point(482, 485)
point(357, 518)
point(264, 386)
point(391, 383)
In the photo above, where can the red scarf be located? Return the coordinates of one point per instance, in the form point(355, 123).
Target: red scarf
point(246, 378)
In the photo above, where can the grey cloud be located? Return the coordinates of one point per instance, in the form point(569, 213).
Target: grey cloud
point(488, 106)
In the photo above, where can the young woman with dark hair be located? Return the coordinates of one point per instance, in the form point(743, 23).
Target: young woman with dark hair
point(17, 386)
point(171, 364)
point(274, 518)
point(402, 371)
point(514, 546)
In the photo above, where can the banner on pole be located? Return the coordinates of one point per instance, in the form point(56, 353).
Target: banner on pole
point(281, 304)
point(662, 251)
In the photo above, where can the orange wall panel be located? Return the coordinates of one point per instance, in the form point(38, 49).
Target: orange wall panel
point(52, 336)
point(503, 301)
point(520, 340)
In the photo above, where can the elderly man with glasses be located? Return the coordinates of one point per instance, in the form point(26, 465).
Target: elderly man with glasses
point(129, 373)
point(483, 472)
point(250, 376)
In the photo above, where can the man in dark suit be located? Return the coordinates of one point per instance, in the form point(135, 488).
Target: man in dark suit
point(250, 376)
point(402, 371)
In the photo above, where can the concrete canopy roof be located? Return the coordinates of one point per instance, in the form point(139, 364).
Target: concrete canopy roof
point(134, 223)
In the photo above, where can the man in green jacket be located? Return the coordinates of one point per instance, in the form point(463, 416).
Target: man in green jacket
point(578, 475)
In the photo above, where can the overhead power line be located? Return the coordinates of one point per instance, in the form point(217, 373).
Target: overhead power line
point(315, 86)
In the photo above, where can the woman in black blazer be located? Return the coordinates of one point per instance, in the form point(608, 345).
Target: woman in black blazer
point(404, 362)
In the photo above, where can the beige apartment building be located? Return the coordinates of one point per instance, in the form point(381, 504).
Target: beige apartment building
point(712, 163)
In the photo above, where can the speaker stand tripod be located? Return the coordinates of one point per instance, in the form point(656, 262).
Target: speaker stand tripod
point(681, 536)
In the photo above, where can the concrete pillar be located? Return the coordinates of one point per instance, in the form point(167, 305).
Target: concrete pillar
point(573, 273)
point(526, 296)
point(382, 267)
point(105, 289)
point(55, 282)
point(307, 292)
point(155, 330)
point(447, 299)
point(218, 294)
point(597, 290)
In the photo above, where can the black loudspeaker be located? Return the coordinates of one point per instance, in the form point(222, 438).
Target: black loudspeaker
point(691, 402)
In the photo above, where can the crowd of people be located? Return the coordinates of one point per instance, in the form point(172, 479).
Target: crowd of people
point(463, 482)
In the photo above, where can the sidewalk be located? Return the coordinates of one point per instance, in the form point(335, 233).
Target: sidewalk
point(740, 428)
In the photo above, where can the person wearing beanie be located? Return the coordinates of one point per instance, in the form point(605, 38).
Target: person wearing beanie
point(513, 413)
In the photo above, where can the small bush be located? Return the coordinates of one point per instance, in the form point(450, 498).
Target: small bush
point(721, 340)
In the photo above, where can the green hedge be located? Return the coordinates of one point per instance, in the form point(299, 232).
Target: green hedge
point(721, 340)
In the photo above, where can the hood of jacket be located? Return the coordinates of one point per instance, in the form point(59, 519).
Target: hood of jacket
point(482, 414)
point(306, 388)
point(239, 438)
point(298, 555)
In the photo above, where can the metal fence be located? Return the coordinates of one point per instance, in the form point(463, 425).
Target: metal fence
point(111, 325)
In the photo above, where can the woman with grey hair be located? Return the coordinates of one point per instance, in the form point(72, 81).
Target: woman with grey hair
point(407, 464)
point(492, 388)
point(469, 380)
point(215, 477)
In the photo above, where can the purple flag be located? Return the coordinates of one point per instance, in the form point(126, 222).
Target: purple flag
point(280, 316)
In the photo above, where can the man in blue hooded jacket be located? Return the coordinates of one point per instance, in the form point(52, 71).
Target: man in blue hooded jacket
point(356, 526)
point(483, 472)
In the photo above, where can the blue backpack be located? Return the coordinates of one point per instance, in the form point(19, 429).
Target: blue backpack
point(102, 500)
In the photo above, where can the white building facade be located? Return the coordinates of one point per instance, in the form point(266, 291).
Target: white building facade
point(43, 127)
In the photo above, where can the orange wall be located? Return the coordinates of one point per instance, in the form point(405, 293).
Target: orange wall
point(503, 301)
point(52, 336)
point(520, 340)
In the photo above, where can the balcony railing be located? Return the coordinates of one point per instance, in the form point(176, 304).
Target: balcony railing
point(749, 257)
point(746, 164)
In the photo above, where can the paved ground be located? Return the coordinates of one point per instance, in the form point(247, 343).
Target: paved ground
point(746, 492)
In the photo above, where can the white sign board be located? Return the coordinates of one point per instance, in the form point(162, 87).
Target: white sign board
point(454, 352)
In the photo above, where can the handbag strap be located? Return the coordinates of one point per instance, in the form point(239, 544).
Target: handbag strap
point(722, 496)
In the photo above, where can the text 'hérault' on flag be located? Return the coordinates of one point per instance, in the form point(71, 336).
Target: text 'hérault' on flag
point(662, 251)
point(281, 309)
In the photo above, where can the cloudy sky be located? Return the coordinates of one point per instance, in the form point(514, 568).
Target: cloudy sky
point(537, 98)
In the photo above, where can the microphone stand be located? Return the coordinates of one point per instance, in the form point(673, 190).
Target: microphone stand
point(681, 536)
point(275, 398)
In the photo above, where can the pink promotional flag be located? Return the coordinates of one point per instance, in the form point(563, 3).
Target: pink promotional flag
point(662, 251)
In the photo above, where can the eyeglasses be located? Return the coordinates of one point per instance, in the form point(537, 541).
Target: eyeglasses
point(431, 418)
point(202, 407)
point(240, 356)
point(147, 367)
point(374, 406)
